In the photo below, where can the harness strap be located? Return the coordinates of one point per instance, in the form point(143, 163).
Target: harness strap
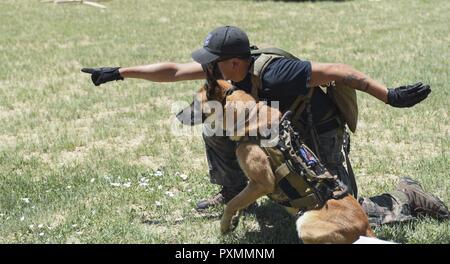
point(328, 125)
point(300, 187)
point(272, 51)
point(351, 174)
point(312, 131)
point(306, 203)
point(300, 103)
point(257, 70)
point(298, 192)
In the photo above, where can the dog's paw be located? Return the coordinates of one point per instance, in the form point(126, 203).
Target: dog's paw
point(235, 220)
point(225, 225)
point(228, 224)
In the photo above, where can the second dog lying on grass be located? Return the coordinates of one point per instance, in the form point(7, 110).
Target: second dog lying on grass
point(334, 218)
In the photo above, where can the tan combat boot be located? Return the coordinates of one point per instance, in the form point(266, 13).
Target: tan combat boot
point(421, 202)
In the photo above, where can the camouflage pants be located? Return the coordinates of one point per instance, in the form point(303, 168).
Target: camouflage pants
point(223, 166)
point(387, 208)
point(382, 209)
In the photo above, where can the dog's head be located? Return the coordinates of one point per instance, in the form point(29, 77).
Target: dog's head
point(230, 110)
point(201, 107)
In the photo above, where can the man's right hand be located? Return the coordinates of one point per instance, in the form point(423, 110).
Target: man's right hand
point(408, 95)
point(103, 75)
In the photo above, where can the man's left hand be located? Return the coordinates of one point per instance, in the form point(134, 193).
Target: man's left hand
point(407, 96)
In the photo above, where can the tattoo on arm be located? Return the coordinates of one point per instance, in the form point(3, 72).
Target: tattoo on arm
point(358, 83)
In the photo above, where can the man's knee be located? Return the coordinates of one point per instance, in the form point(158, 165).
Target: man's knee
point(223, 166)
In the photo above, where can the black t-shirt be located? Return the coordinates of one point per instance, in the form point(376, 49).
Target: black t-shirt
point(283, 80)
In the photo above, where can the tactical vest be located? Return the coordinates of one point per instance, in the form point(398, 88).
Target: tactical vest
point(344, 98)
point(292, 189)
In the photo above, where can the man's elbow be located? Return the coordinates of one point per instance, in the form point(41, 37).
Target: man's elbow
point(323, 73)
point(341, 70)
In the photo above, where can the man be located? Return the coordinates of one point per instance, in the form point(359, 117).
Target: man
point(226, 54)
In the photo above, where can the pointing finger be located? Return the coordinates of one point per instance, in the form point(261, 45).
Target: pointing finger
point(88, 70)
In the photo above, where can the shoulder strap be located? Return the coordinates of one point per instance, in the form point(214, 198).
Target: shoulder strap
point(274, 51)
point(257, 70)
point(265, 56)
point(259, 66)
point(300, 103)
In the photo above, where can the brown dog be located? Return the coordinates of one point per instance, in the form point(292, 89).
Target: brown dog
point(337, 221)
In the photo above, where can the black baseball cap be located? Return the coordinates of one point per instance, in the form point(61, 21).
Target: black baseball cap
point(223, 42)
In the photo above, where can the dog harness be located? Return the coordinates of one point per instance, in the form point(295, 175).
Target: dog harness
point(301, 179)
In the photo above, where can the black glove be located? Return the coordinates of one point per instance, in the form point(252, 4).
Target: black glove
point(407, 96)
point(103, 75)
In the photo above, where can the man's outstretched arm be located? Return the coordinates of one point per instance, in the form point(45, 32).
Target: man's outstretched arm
point(158, 72)
point(165, 72)
point(403, 96)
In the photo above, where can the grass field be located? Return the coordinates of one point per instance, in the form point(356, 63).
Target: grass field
point(86, 164)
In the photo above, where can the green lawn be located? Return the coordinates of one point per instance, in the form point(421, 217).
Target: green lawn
point(86, 164)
